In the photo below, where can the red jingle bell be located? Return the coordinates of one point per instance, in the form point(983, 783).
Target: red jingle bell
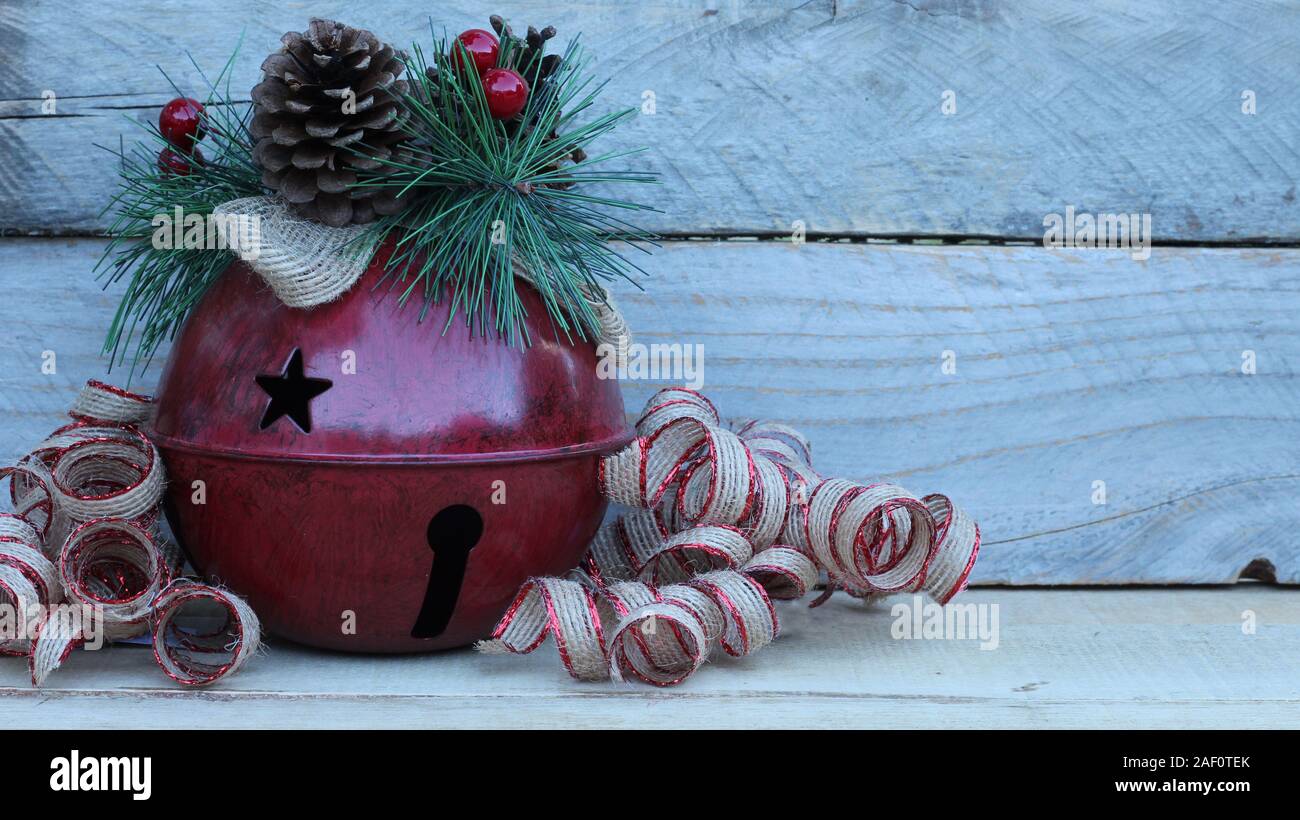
point(370, 484)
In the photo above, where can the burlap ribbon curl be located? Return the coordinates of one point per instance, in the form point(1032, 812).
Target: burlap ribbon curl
point(83, 537)
point(729, 519)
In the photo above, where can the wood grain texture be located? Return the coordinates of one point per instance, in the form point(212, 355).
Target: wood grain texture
point(1070, 659)
point(1072, 367)
point(825, 112)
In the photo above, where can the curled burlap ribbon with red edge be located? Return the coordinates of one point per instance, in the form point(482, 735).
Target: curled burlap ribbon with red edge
point(82, 558)
point(729, 518)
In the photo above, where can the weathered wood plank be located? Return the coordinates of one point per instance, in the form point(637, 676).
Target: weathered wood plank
point(827, 113)
point(1076, 659)
point(1070, 368)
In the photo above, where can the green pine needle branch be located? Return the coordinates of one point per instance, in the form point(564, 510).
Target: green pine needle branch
point(483, 194)
point(164, 284)
point(480, 195)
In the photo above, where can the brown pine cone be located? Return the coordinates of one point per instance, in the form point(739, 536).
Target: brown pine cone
point(572, 157)
point(527, 53)
point(327, 108)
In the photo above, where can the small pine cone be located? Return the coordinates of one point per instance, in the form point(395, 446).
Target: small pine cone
point(527, 51)
point(326, 109)
point(572, 157)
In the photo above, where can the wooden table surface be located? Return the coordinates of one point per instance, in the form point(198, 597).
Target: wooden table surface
point(1094, 658)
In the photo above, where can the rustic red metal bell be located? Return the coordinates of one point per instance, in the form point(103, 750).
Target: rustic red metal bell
point(368, 482)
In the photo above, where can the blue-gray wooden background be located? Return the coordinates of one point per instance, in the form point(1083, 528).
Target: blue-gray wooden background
point(1101, 421)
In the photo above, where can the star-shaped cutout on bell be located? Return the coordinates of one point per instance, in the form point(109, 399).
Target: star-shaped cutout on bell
point(291, 393)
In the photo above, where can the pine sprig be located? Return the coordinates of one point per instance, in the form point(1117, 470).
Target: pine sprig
point(165, 283)
point(480, 197)
point(483, 195)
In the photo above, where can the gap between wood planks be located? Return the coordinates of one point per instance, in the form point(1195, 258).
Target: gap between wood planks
point(955, 239)
point(1258, 564)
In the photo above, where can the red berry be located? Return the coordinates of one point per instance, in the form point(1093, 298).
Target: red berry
point(181, 122)
point(173, 163)
point(506, 93)
point(482, 47)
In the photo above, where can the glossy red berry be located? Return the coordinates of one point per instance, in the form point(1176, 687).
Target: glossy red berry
point(181, 122)
point(506, 93)
point(482, 47)
point(173, 163)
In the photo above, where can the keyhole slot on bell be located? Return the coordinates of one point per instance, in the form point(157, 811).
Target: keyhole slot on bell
point(452, 533)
